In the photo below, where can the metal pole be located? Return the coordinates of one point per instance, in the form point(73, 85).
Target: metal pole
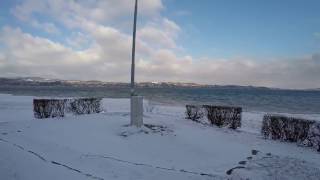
point(134, 48)
point(136, 102)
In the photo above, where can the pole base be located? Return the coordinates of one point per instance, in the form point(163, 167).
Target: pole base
point(136, 111)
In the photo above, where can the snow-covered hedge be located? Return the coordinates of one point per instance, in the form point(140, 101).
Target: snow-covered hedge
point(85, 105)
point(303, 131)
point(50, 108)
point(313, 139)
point(221, 116)
point(224, 116)
point(195, 113)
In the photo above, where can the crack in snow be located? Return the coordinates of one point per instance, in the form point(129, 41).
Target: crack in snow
point(110, 158)
point(52, 162)
point(38, 155)
point(20, 147)
point(76, 170)
point(3, 140)
point(152, 166)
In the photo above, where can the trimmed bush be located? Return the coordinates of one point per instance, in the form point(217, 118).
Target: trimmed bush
point(85, 105)
point(195, 113)
point(313, 139)
point(50, 108)
point(224, 116)
point(221, 116)
point(303, 131)
point(285, 128)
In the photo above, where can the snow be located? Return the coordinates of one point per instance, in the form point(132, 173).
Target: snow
point(262, 167)
point(103, 146)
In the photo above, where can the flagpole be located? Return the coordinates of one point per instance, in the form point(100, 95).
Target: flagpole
point(136, 102)
point(134, 48)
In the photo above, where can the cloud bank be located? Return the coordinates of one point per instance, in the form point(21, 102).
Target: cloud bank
point(99, 48)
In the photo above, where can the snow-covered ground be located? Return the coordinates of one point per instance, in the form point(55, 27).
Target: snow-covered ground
point(102, 146)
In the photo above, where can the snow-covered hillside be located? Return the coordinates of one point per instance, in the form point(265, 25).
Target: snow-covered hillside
point(103, 146)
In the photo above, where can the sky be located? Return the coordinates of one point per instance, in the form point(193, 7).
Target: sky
point(274, 43)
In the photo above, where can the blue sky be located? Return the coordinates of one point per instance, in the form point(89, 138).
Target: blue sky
point(274, 43)
point(247, 27)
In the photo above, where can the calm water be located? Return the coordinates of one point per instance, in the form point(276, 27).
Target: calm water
point(252, 99)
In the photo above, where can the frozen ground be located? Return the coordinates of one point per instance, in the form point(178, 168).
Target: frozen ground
point(102, 146)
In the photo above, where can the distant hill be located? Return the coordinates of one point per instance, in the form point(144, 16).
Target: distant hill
point(38, 81)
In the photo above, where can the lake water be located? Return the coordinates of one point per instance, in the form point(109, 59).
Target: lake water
point(251, 99)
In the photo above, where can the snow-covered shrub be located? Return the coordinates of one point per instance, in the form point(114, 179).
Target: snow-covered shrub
point(149, 107)
point(313, 139)
point(85, 105)
point(220, 116)
point(193, 112)
point(223, 116)
point(285, 128)
point(48, 108)
point(304, 132)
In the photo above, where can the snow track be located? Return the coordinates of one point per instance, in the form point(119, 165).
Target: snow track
point(153, 166)
point(53, 162)
point(42, 158)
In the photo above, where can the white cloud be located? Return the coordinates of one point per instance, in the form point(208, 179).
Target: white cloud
point(160, 34)
point(34, 56)
point(283, 73)
point(25, 12)
point(93, 10)
point(47, 27)
point(78, 40)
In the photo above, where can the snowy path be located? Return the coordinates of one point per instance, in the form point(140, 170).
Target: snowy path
point(94, 146)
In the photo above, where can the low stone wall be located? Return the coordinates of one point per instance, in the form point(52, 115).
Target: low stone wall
point(50, 108)
point(303, 131)
point(221, 116)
